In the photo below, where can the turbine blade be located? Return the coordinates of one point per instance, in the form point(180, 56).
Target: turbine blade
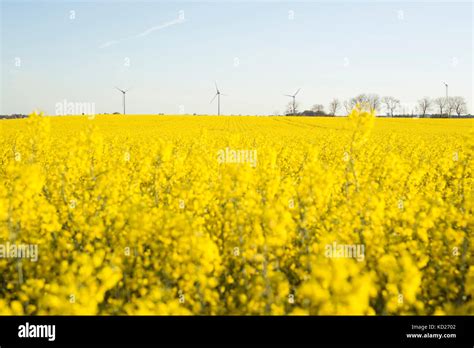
point(119, 89)
point(296, 92)
point(213, 98)
point(217, 89)
point(287, 95)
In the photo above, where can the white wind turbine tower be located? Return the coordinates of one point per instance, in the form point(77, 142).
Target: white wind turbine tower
point(123, 93)
point(218, 95)
point(294, 100)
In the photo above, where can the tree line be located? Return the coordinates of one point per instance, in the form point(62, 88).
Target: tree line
point(426, 106)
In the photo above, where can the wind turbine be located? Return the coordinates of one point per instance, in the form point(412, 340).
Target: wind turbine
point(123, 93)
point(294, 100)
point(218, 95)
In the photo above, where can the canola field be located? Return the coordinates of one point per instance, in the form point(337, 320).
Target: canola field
point(212, 215)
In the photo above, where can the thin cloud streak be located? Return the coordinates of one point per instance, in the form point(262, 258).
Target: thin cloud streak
point(144, 33)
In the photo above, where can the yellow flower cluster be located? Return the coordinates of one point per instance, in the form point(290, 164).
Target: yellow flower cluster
point(137, 215)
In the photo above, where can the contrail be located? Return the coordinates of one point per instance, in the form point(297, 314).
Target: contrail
point(161, 26)
point(144, 33)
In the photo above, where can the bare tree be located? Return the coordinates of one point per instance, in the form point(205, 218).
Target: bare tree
point(391, 104)
point(450, 106)
point(424, 104)
point(440, 102)
point(374, 101)
point(334, 105)
point(459, 105)
point(292, 109)
point(349, 105)
point(318, 108)
point(360, 99)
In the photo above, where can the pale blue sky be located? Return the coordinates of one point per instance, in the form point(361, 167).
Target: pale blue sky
point(327, 49)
